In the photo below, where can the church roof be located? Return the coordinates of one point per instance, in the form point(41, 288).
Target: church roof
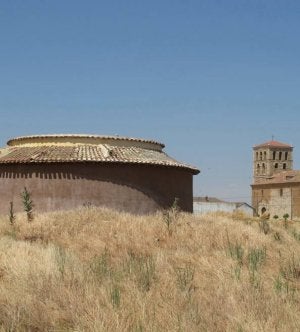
point(283, 177)
point(87, 148)
point(272, 144)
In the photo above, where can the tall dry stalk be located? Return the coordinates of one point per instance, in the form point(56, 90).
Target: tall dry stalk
point(11, 215)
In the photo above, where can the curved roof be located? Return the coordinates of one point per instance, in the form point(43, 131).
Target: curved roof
point(272, 144)
point(87, 148)
point(78, 137)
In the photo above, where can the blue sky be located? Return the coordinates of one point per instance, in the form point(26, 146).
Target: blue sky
point(208, 78)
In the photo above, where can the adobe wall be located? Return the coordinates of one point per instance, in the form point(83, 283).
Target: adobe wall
point(132, 188)
point(260, 198)
point(296, 202)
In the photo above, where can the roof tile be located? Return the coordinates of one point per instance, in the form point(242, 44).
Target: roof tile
point(88, 153)
point(274, 144)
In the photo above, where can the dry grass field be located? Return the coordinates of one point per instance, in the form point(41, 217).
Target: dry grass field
point(99, 270)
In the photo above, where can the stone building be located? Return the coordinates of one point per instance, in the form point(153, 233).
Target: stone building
point(276, 186)
point(67, 171)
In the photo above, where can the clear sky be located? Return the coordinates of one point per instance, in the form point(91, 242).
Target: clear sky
point(208, 78)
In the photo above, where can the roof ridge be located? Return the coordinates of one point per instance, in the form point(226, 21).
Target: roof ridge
point(92, 136)
point(273, 143)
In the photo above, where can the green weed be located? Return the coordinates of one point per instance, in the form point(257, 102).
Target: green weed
point(101, 265)
point(296, 235)
point(277, 236)
point(291, 270)
point(170, 216)
point(185, 276)
point(283, 286)
point(27, 203)
point(60, 255)
point(235, 250)
point(286, 217)
point(143, 268)
point(256, 257)
point(264, 226)
point(115, 296)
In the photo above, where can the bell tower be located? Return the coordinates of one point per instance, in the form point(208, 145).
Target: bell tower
point(270, 158)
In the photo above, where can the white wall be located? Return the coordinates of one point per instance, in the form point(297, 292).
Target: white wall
point(205, 207)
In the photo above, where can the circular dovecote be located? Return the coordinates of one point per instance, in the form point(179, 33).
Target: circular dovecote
point(66, 171)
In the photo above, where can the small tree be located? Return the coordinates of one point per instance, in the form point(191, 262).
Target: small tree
point(286, 217)
point(27, 203)
point(12, 216)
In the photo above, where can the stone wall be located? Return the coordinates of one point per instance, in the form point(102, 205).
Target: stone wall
point(277, 199)
point(280, 202)
point(269, 161)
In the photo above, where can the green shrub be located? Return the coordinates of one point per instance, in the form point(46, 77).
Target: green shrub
point(285, 217)
point(27, 203)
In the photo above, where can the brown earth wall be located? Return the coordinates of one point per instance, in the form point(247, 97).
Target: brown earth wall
point(296, 201)
point(137, 189)
point(260, 195)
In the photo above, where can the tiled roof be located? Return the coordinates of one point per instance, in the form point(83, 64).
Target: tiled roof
point(107, 153)
point(282, 177)
point(274, 144)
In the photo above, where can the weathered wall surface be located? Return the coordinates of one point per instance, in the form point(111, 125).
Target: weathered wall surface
point(132, 188)
point(260, 198)
point(206, 207)
point(278, 199)
point(271, 160)
point(280, 202)
point(296, 202)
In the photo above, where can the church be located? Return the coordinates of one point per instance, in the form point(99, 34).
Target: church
point(276, 185)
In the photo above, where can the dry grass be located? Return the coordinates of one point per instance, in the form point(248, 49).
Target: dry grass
point(98, 270)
